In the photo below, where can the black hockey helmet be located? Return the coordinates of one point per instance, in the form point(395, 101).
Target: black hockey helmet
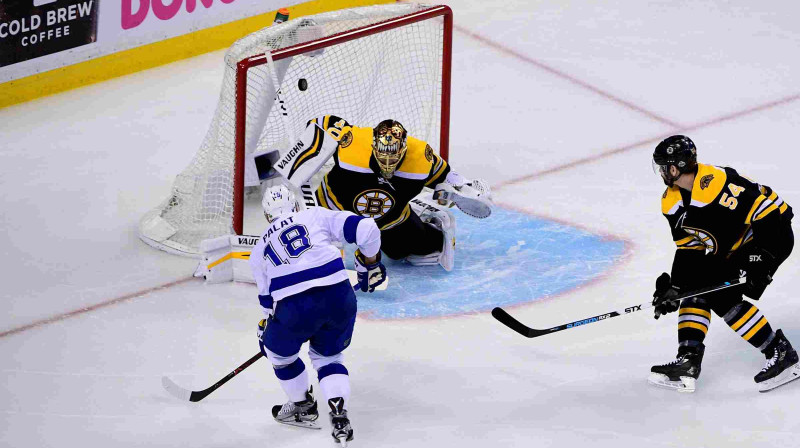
point(678, 151)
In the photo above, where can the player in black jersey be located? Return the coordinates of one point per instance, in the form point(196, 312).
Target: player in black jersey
point(724, 225)
point(379, 173)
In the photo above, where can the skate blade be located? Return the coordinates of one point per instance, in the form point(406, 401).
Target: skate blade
point(685, 385)
point(307, 425)
point(787, 376)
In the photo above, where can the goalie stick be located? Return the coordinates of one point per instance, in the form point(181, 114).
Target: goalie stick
point(195, 396)
point(512, 323)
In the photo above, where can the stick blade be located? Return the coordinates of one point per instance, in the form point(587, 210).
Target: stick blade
point(512, 323)
point(175, 390)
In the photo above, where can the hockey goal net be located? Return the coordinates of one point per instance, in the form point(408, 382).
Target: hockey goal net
point(362, 64)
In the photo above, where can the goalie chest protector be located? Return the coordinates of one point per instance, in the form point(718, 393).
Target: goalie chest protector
point(355, 183)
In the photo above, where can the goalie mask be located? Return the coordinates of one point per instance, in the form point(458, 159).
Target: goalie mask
point(278, 200)
point(389, 146)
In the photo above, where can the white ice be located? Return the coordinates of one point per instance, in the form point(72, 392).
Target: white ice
point(557, 103)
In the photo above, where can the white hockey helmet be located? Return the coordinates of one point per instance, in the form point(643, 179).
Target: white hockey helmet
point(278, 200)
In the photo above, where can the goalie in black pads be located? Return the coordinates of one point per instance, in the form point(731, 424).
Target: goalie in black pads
point(724, 226)
point(379, 173)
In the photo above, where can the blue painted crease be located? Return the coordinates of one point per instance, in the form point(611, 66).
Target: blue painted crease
point(507, 259)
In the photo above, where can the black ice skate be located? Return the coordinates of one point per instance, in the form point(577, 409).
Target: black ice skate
point(682, 373)
point(341, 432)
point(782, 365)
point(302, 413)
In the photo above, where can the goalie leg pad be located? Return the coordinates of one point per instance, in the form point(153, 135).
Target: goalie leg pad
point(442, 219)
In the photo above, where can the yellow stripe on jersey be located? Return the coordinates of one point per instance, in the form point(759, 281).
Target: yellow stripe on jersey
point(321, 198)
point(783, 207)
point(330, 194)
point(755, 206)
point(695, 325)
point(358, 153)
point(766, 212)
point(747, 235)
point(670, 201)
point(698, 311)
point(415, 161)
point(708, 183)
point(756, 327)
point(739, 323)
point(403, 216)
point(438, 169)
point(684, 241)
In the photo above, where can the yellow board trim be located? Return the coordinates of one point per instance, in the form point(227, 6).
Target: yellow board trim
point(754, 330)
point(695, 325)
point(698, 311)
point(156, 54)
point(744, 319)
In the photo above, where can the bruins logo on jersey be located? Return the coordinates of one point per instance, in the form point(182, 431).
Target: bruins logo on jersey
point(705, 181)
point(373, 203)
point(428, 153)
point(346, 140)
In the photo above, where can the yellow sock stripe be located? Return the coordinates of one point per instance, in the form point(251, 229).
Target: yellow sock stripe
point(695, 325)
point(783, 207)
point(239, 255)
point(698, 311)
point(736, 326)
point(754, 330)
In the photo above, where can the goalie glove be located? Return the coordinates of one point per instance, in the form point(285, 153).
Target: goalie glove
point(370, 275)
point(473, 198)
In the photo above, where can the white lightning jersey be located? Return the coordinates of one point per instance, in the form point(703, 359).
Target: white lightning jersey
point(296, 252)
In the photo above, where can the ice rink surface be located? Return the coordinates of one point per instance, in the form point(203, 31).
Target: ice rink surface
point(558, 104)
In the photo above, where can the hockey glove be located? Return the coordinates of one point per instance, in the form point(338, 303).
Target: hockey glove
point(370, 275)
point(759, 265)
point(268, 306)
point(665, 298)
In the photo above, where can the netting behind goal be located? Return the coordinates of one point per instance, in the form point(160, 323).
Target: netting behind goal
point(363, 64)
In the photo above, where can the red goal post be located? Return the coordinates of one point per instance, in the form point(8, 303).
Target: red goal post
point(395, 64)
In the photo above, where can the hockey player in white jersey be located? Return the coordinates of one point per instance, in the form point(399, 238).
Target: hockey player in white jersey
point(306, 295)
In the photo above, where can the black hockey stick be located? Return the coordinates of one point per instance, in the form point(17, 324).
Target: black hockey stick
point(194, 396)
point(512, 323)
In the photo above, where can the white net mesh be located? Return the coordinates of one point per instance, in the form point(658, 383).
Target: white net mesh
point(396, 73)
